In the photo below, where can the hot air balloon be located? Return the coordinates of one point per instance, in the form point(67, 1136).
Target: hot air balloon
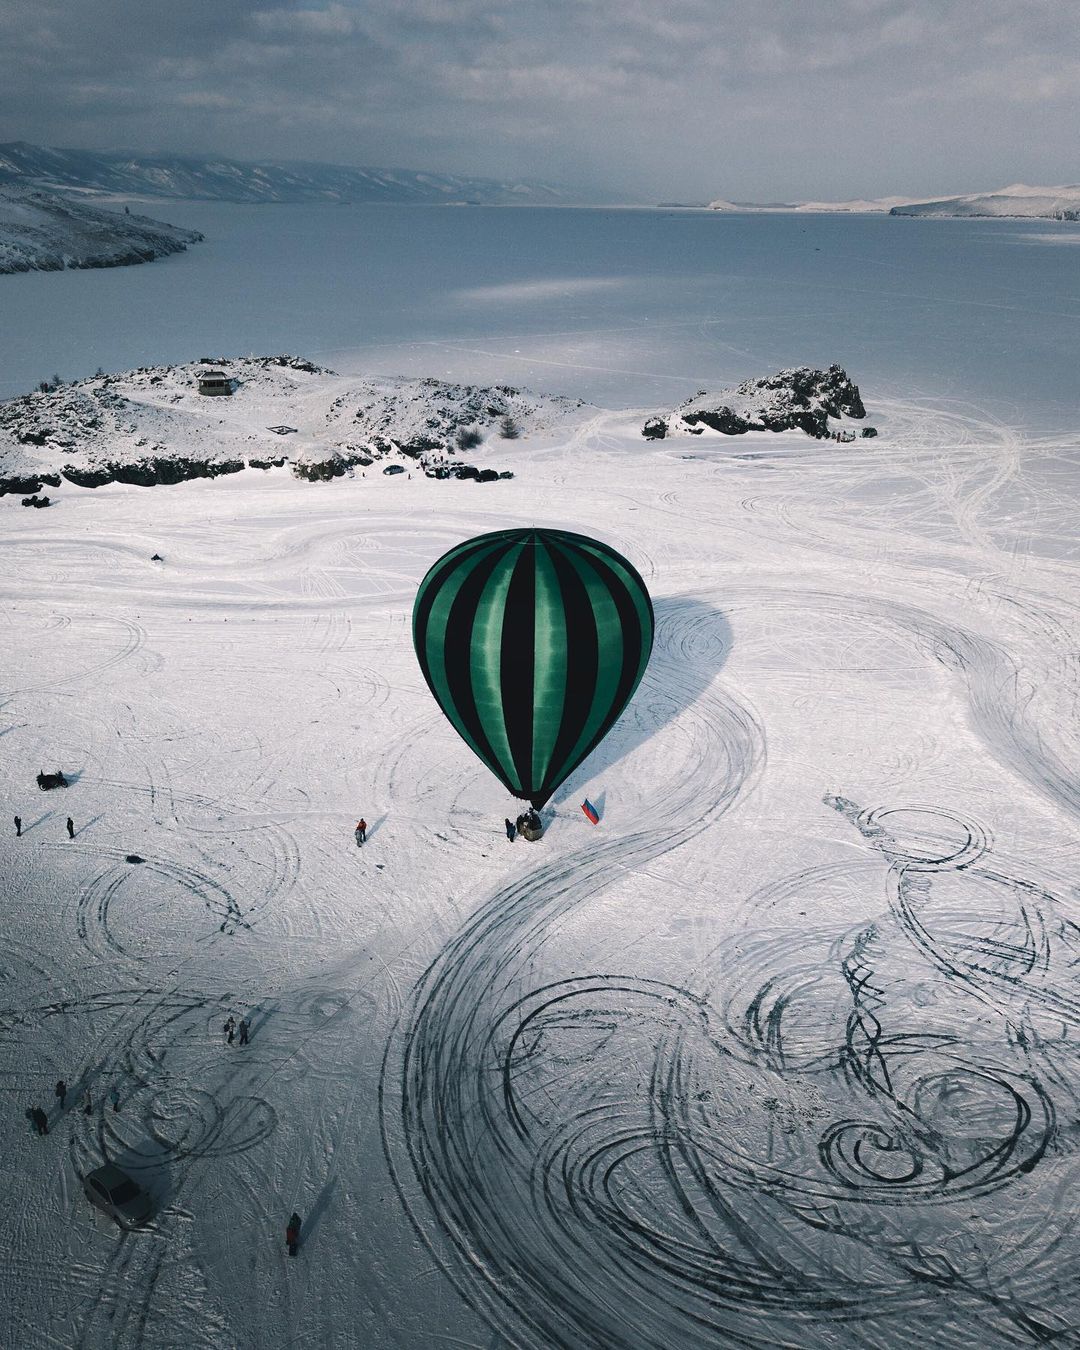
point(532, 642)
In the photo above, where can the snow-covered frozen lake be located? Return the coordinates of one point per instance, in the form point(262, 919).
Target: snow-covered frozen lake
point(785, 1050)
point(623, 307)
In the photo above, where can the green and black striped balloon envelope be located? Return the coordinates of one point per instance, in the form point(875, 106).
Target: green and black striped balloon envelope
point(533, 642)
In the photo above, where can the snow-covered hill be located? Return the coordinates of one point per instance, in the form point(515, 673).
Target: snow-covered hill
point(1037, 203)
point(230, 180)
point(856, 206)
point(153, 426)
point(801, 399)
point(43, 232)
point(1052, 203)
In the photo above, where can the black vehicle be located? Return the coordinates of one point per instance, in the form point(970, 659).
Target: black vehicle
point(118, 1196)
point(45, 781)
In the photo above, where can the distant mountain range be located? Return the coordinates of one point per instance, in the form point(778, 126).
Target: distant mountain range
point(1045, 203)
point(231, 180)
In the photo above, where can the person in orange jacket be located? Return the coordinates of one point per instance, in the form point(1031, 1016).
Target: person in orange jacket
point(361, 832)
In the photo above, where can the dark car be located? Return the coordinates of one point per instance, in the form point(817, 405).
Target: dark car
point(114, 1192)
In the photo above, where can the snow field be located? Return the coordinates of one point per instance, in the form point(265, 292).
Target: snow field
point(782, 1052)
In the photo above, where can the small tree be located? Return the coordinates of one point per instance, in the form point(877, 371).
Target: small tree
point(468, 438)
point(508, 428)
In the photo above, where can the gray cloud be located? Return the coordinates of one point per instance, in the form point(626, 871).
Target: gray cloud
point(691, 98)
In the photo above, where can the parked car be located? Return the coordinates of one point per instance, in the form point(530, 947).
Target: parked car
point(118, 1196)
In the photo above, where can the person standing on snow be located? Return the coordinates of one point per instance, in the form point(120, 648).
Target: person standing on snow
point(361, 832)
point(39, 1119)
point(511, 829)
point(114, 1097)
point(229, 1029)
point(292, 1233)
point(70, 828)
point(60, 1092)
point(18, 827)
point(243, 1029)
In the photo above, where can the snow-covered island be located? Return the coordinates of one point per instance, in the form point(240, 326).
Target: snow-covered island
point(153, 425)
point(43, 232)
point(801, 399)
point(1019, 200)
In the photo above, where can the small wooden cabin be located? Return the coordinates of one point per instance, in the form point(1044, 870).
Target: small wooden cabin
point(214, 382)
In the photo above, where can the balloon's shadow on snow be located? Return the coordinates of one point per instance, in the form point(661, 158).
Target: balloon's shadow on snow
point(691, 646)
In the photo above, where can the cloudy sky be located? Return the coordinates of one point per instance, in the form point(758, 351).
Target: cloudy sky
point(676, 99)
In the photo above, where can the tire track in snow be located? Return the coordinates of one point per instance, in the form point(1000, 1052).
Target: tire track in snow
point(464, 1166)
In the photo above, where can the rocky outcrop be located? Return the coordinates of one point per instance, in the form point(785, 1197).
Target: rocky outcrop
point(801, 398)
point(29, 484)
point(163, 469)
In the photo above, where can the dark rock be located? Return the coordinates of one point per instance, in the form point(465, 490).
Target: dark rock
point(869, 431)
point(156, 557)
point(19, 485)
point(419, 445)
point(266, 463)
point(164, 469)
point(320, 470)
point(134, 858)
point(655, 429)
point(720, 419)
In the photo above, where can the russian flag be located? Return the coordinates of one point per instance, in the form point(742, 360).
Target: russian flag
point(591, 811)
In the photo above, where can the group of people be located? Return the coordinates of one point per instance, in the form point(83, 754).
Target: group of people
point(236, 1031)
point(40, 1120)
point(18, 827)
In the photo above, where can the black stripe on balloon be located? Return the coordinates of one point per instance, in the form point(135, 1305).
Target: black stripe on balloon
point(582, 664)
point(633, 644)
point(457, 655)
point(516, 660)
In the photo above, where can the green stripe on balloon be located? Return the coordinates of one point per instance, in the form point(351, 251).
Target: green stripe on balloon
point(549, 675)
point(485, 664)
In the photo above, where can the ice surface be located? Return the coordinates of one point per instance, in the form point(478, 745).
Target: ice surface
point(781, 1052)
point(624, 308)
